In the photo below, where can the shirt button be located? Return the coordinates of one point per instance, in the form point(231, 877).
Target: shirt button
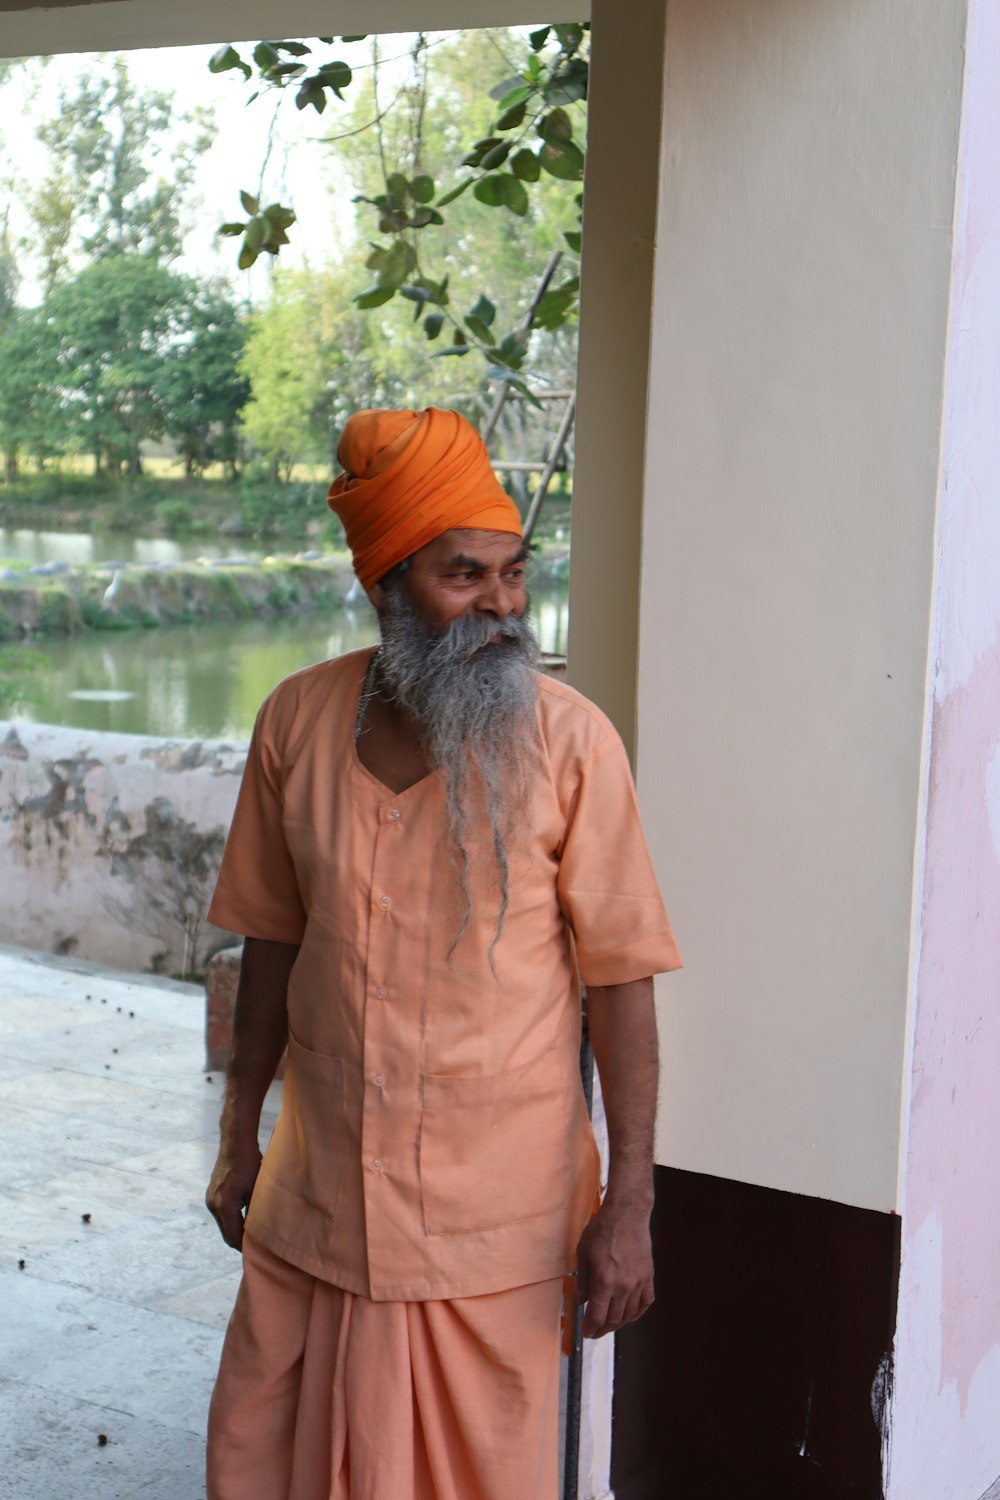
point(384, 901)
point(378, 1164)
point(393, 813)
point(379, 1080)
point(381, 992)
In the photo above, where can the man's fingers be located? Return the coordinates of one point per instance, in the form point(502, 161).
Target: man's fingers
point(609, 1311)
point(229, 1220)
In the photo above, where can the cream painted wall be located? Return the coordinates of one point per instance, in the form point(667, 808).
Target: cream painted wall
point(119, 25)
point(801, 295)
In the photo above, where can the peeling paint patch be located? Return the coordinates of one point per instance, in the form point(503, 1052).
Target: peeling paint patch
point(11, 747)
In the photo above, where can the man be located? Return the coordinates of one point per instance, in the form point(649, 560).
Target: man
point(432, 843)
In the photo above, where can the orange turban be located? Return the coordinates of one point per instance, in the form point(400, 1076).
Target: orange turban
point(410, 475)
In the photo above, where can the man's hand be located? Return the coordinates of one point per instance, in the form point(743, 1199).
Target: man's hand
point(615, 1270)
point(260, 1030)
point(615, 1276)
point(228, 1195)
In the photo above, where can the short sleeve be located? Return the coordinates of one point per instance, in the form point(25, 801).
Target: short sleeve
point(257, 893)
point(607, 887)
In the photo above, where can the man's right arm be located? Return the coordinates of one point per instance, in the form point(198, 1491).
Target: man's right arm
point(260, 1032)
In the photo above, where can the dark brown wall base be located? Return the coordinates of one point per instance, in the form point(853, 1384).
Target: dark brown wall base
point(752, 1377)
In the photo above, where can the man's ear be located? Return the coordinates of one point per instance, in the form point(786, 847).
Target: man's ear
point(377, 596)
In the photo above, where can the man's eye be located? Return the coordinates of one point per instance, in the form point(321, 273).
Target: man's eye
point(515, 575)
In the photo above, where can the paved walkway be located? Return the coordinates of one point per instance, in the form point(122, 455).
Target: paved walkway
point(114, 1284)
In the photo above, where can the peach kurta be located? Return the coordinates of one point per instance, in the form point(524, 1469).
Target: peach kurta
point(433, 1141)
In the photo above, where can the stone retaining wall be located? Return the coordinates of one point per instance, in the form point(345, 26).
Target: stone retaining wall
point(110, 844)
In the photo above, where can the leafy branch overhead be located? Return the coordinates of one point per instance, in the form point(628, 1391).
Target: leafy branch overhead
point(537, 133)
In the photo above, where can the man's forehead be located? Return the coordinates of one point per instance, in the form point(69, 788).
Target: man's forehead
point(468, 542)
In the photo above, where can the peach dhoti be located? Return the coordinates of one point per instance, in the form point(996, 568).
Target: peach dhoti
point(325, 1395)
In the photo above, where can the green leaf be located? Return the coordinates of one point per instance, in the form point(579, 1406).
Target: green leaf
point(574, 240)
point(397, 188)
point(414, 293)
point(455, 192)
point(432, 324)
point(422, 189)
point(424, 216)
point(285, 71)
point(375, 296)
point(294, 49)
point(512, 117)
point(569, 84)
point(265, 56)
point(247, 256)
point(556, 126)
point(335, 75)
point(479, 150)
point(312, 93)
point(225, 58)
point(360, 37)
point(515, 194)
point(507, 87)
point(256, 232)
point(490, 190)
point(279, 216)
point(250, 203)
point(399, 262)
point(554, 306)
point(495, 156)
point(376, 258)
point(484, 309)
point(504, 190)
point(477, 328)
point(525, 164)
point(562, 159)
point(539, 38)
point(451, 349)
point(231, 228)
point(570, 35)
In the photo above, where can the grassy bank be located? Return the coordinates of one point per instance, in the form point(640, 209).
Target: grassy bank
point(71, 600)
point(79, 599)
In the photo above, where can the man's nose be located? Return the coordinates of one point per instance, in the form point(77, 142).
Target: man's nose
point(493, 598)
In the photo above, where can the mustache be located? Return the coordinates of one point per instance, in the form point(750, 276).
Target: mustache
point(468, 634)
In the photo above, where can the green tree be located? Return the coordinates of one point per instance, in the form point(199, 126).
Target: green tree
point(113, 187)
point(32, 418)
point(311, 358)
point(528, 131)
point(116, 325)
point(200, 384)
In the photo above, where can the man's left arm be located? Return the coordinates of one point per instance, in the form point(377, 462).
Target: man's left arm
point(615, 1275)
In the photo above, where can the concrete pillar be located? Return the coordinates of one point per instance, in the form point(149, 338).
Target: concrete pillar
point(818, 565)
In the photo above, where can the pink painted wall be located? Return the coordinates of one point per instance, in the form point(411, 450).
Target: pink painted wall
point(945, 1424)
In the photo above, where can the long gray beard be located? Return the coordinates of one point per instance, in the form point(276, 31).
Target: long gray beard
point(474, 705)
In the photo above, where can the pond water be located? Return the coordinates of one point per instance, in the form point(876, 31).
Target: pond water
point(205, 681)
point(82, 547)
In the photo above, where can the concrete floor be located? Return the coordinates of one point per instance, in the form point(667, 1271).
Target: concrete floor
point(111, 1325)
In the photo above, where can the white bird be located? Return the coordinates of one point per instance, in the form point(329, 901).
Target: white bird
point(111, 592)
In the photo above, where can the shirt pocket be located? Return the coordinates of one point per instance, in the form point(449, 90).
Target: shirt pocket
point(313, 1150)
point(496, 1149)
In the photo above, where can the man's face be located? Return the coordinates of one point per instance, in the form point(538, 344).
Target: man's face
point(468, 572)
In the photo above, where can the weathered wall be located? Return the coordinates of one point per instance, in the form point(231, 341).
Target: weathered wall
point(110, 844)
point(945, 1435)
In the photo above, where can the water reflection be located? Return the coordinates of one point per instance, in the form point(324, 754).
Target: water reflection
point(82, 547)
point(206, 681)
